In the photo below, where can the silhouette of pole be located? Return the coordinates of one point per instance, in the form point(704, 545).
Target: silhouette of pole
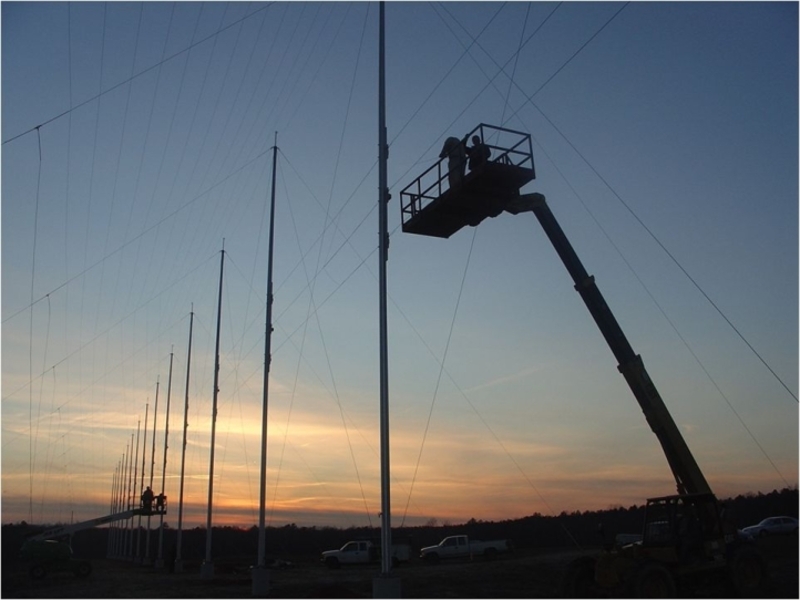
point(207, 569)
point(383, 200)
point(113, 545)
point(160, 558)
point(260, 573)
point(121, 536)
point(141, 487)
point(116, 507)
point(129, 520)
point(135, 475)
point(178, 559)
point(152, 467)
point(109, 544)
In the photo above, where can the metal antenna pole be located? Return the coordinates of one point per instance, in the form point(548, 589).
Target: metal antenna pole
point(129, 520)
point(135, 477)
point(207, 569)
point(260, 585)
point(160, 558)
point(141, 487)
point(178, 558)
point(127, 494)
point(383, 235)
point(117, 508)
point(152, 467)
point(112, 510)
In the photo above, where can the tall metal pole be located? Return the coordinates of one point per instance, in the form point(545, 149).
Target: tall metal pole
point(141, 487)
point(113, 551)
point(160, 558)
point(207, 569)
point(260, 574)
point(383, 235)
point(111, 511)
point(123, 504)
point(135, 475)
point(129, 520)
point(178, 558)
point(152, 468)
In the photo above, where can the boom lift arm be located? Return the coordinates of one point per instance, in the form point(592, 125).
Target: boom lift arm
point(62, 530)
point(688, 476)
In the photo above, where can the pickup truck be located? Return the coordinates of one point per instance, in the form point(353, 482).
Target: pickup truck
point(460, 546)
point(363, 552)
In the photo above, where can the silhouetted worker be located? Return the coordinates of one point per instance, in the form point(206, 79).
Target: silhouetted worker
point(478, 153)
point(160, 502)
point(456, 151)
point(147, 499)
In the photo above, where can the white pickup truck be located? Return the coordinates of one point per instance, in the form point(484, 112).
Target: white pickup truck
point(363, 552)
point(461, 546)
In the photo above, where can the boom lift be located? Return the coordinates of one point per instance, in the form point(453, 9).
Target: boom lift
point(46, 554)
point(685, 536)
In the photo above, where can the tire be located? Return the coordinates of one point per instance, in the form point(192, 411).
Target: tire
point(653, 580)
point(763, 533)
point(748, 572)
point(490, 553)
point(332, 562)
point(432, 558)
point(37, 572)
point(83, 569)
point(578, 580)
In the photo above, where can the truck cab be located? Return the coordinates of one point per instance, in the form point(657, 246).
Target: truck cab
point(361, 552)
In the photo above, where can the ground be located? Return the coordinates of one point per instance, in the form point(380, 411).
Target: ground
point(523, 574)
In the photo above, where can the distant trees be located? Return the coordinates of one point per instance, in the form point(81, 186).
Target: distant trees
point(292, 542)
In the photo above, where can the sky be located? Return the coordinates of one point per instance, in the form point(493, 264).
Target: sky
point(137, 141)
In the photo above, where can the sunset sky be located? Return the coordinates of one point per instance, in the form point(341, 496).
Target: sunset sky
point(136, 137)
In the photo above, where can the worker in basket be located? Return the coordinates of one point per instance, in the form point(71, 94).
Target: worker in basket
point(147, 499)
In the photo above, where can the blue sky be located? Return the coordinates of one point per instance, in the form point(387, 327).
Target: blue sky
point(665, 139)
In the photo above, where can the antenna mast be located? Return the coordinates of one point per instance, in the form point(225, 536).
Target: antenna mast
point(260, 573)
point(207, 568)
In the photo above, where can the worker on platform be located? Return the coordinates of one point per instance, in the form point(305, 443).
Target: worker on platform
point(478, 153)
point(147, 499)
point(456, 152)
point(160, 499)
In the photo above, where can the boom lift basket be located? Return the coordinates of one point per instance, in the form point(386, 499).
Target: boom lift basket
point(430, 207)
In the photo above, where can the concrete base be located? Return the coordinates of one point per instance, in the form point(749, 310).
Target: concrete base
point(178, 565)
point(260, 582)
point(159, 563)
point(386, 587)
point(207, 570)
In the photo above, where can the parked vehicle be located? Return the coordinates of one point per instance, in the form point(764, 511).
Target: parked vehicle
point(460, 546)
point(362, 552)
point(772, 526)
point(49, 556)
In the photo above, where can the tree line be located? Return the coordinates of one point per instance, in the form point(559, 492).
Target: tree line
point(296, 543)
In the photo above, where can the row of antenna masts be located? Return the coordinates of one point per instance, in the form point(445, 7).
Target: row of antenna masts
point(125, 538)
point(128, 483)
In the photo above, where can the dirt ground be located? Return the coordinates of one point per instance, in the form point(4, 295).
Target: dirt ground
point(524, 574)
